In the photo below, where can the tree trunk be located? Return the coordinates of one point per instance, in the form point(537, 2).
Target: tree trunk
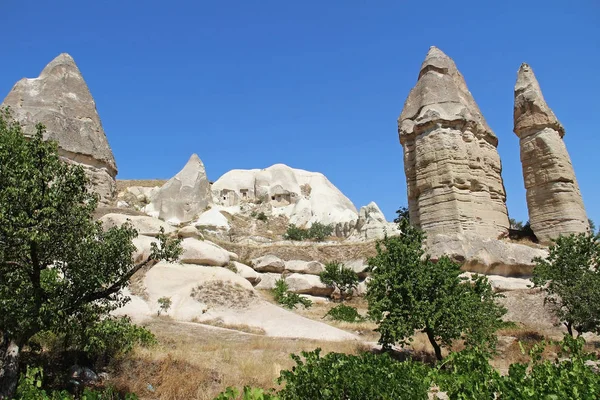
point(436, 347)
point(569, 328)
point(9, 367)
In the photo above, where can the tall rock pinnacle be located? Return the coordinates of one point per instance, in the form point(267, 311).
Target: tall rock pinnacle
point(553, 197)
point(453, 170)
point(184, 196)
point(60, 99)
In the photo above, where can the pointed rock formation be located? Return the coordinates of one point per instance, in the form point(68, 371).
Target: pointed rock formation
point(452, 167)
point(553, 197)
point(60, 99)
point(184, 197)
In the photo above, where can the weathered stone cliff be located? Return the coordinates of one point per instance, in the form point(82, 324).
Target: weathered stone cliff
point(553, 197)
point(452, 167)
point(60, 99)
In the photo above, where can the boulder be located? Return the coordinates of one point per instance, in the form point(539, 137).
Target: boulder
point(189, 232)
point(203, 253)
point(212, 219)
point(361, 288)
point(247, 272)
point(267, 280)
point(143, 245)
point(61, 100)
point(486, 256)
point(359, 266)
point(315, 299)
point(503, 283)
point(184, 196)
point(304, 267)
point(268, 263)
point(452, 166)
point(553, 196)
point(307, 284)
point(145, 225)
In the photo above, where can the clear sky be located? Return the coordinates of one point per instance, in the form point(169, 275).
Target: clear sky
point(314, 84)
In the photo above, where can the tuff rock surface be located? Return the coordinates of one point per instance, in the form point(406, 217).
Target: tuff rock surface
point(184, 196)
point(61, 100)
point(452, 167)
point(553, 197)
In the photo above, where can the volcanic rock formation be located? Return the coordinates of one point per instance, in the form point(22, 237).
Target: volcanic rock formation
point(553, 197)
point(60, 99)
point(185, 196)
point(452, 167)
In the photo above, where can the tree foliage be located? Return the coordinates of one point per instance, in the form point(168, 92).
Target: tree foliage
point(58, 267)
point(317, 232)
point(283, 296)
point(402, 213)
point(408, 292)
point(570, 278)
point(345, 313)
point(340, 277)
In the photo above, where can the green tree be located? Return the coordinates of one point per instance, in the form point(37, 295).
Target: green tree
point(57, 265)
point(409, 292)
point(592, 225)
point(340, 277)
point(514, 224)
point(319, 231)
point(571, 280)
point(402, 213)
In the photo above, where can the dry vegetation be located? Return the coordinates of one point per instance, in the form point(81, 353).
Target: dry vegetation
point(198, 362)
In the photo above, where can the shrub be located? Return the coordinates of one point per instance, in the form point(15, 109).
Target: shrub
point(341, 376)
point(262, 217)
point(344, 313)
point(248, 393)
point(409, 292)
point(570, 278)
point(295, 233)
point(340, 277)
point(164, 303)
point(288, 299)
point(319, 231)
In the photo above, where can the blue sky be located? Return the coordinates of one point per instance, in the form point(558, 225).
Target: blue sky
point(316, 85)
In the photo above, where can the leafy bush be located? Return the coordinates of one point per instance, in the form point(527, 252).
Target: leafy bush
point(30, 388)
point(409, 292)
point(344, 313)
point(295, 233)
point(319, 231)
point(288, 299)
point(248, 393)
point(468, 375)
point(342, 376)
point(164, 303)
point(570, 277)
point(262, 217)
point(340, 277)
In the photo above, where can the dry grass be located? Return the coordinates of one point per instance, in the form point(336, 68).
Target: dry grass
point(218, 322)
point(220, 294)
point(195, 362)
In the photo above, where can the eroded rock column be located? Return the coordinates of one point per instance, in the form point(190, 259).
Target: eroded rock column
point(452, 167)
point(553, 197)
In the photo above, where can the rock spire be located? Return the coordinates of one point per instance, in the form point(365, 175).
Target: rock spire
point(452, 167)
point(183, 197)
point(60, 99)
point(553, 197)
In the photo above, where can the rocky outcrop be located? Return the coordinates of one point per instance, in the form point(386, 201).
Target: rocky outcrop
point(268, 263)
point(184, 196)
point(202, 252)
point(145, 225)
point(371, 223)
point(452, 167)
point(553, 197)
point(60, 99)
point(485, 255)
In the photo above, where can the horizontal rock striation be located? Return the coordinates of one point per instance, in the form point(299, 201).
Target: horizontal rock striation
point(553, 197)
point(452, 167)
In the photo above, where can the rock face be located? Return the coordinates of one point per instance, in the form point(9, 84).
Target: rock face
point(553, 197)
point(372, 224)
point(485, 255)
point(184, 196)
point(60, 99)
point(452, 167)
